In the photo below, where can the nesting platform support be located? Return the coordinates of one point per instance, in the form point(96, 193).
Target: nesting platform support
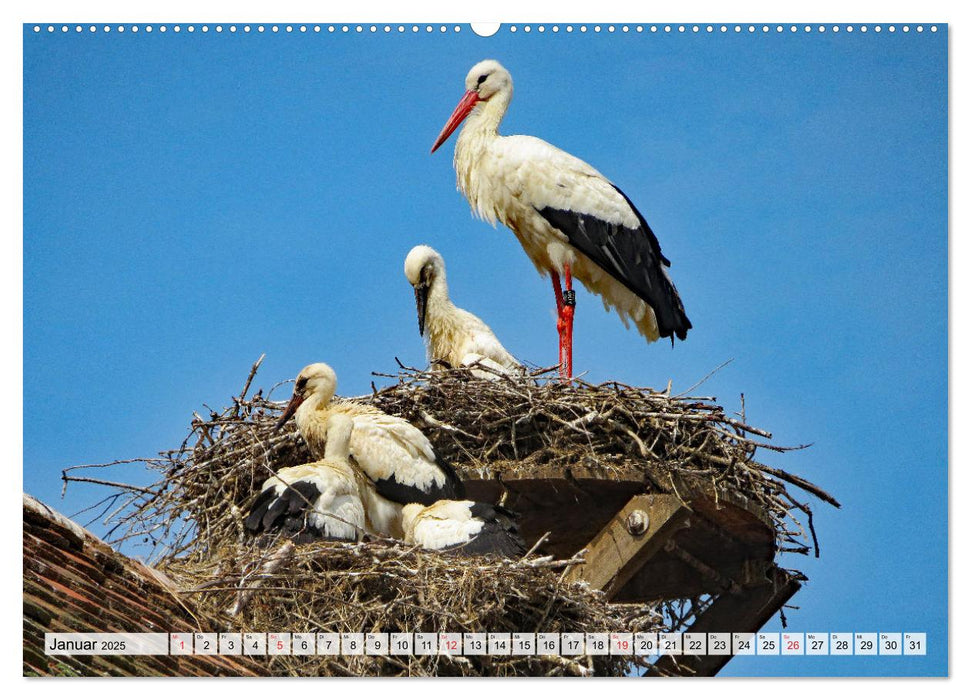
point(744, 611)
point(637, 533)
point(630, 555)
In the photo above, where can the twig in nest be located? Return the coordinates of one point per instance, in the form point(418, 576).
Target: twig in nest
point(249, 380)
point(272, 565)
point(705, 378)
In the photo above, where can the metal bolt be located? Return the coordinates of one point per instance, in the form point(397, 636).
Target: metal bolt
point(638, 522)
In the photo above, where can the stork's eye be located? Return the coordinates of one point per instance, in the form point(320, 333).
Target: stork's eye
point(482, 78)
point(301, 384)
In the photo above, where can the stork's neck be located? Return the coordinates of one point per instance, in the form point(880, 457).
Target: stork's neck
point(310, 413)
point(341, 465)
point(438, 298)
point(481, 130)
point(482, 125)
point(338, 445)
point(442, 319)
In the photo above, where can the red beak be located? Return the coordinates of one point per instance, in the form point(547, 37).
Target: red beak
point(465, 105)
point(291, 408)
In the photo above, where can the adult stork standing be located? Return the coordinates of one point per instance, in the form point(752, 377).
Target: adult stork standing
point(570, 219)
point(453, 335)
point(393, 453)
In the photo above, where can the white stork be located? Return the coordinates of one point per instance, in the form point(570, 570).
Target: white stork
point(453, 335)
point(320, 500)
point(570, 219)
point(328, 499)
point(463, 526)
point(393, 453)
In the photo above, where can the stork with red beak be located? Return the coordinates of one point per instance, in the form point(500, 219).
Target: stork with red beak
point(570, 219)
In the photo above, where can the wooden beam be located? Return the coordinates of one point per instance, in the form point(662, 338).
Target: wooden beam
point(619, 551)
point(746, 611)
point(574, 510)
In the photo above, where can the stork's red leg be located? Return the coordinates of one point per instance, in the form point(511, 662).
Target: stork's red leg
point(557, 292)
point(569, 307)
point(565, 303)
point(560, 323)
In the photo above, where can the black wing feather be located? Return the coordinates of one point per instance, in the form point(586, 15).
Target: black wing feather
point(452, 490)
point(286, 513)
point(395, 491)
point(301, 496)
point(254, 521)
point(453, 483)
point(632, 256)
point(499, 533)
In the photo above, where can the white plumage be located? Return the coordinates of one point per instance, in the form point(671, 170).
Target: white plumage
point(382, 517)
point(569, 218)
point(394, 454)
point(321, 499)
point(466, 526)
point(452, 335)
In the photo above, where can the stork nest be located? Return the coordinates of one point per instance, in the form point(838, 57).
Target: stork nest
point(516, 427)
point(506, 428)
point(387, 587)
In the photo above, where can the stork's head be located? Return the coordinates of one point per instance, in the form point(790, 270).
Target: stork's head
point(317, 380)
point(487, 80)
point(422, 267)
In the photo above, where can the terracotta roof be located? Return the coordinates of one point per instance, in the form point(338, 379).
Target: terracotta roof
point(74, 582)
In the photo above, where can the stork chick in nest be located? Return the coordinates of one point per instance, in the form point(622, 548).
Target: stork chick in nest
point(394, 454)
point(320, 500)
point(466, 527)
point(453, 336)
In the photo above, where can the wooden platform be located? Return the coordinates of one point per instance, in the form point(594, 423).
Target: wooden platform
point(723, 530)
point(645, 546)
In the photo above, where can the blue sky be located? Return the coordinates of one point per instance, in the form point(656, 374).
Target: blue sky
point(192, 201)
